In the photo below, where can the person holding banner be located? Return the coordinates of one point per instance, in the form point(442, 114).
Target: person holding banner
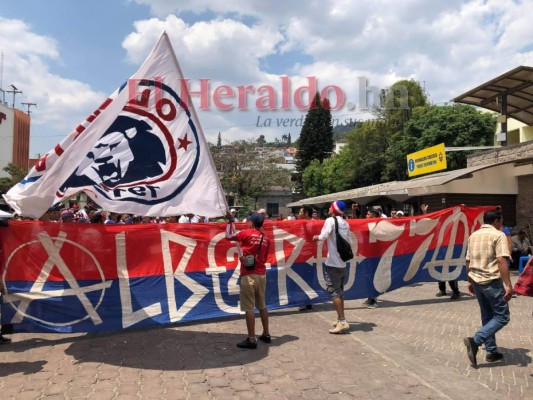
point(3, 340)
point(335, 271)
point(254, 246)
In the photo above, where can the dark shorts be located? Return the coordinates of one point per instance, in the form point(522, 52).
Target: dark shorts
point(335, 281)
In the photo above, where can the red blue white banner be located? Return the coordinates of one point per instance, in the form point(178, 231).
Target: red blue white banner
point(62, 277)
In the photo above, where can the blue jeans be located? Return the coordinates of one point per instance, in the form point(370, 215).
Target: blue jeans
point(494, 313)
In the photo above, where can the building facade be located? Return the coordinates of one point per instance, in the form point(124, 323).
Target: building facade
point(14, 138)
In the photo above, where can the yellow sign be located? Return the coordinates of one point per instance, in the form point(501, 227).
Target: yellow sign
point(428, 160)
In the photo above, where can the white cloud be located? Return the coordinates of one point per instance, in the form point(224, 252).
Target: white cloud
point(61, 103)
point(450, 46)
point(220, 49)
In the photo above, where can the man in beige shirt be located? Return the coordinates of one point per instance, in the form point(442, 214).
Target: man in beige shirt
point(489, 281)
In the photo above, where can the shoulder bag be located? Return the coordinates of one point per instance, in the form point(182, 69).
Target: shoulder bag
point(249, 260)
point(343, 247)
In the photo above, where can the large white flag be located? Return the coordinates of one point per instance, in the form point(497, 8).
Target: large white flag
point(142, 152)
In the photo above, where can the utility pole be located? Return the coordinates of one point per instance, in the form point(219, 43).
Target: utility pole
point(29, 105)
point(15, 91)
point(2, 77)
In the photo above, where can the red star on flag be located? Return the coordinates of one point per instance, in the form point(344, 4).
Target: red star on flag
point(184, 143)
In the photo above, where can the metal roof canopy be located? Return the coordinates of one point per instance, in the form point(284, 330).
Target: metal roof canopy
point(514, 89)
point(397, 190)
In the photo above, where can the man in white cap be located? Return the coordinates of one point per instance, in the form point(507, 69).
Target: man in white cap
point(335, 271)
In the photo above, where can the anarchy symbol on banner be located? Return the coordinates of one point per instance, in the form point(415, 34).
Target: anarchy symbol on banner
point(53, 247)
point(450, 267)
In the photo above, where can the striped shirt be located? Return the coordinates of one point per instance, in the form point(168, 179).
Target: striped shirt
point(484, 246)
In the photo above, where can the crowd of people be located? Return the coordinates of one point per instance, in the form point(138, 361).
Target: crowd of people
point(90, 213)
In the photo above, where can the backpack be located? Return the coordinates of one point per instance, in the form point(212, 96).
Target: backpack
point(343, 247)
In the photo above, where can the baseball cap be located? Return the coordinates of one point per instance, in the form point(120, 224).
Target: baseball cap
point(233, 210)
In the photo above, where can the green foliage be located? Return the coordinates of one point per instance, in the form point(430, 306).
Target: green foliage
point(456, 125)
point(313, 179)
point(17, 174)
point(399, 102)
point(316, 137)
point(376, 150)
point(261, 141)
point(246, 176)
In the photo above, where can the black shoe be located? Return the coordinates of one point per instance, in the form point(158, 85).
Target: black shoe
point(471, 350)
point(265, 338)
point(372, 303)
point(307, 307)
point(4, 340)
point(247, 344)
point(492, 357)
point(441, 293)
point(455, 296)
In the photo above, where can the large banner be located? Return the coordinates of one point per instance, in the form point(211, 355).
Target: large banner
point(62, 277)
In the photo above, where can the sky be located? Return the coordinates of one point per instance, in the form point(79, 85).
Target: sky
point(68, 56)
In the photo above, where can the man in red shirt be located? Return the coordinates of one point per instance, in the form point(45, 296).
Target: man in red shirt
point(253, 242)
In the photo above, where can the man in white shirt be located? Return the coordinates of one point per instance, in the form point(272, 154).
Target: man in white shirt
point(335, 271)
point(520, 246)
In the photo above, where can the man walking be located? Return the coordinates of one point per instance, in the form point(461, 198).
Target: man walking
point(489, 281)
point(335, 272)
point(254, 244)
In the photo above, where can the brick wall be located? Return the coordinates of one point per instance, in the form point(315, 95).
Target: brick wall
point(524, 205)
point(514, 152)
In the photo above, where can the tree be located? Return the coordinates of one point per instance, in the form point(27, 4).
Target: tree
point(316, 137)
point(399, 102)
point(219, 141)
point(370, 155)
point(313, 179)
point(17, 174)
point(246, 176)
point(261, 141)
point(455, 125)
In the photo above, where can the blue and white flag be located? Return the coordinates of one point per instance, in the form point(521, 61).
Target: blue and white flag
point(141, 152)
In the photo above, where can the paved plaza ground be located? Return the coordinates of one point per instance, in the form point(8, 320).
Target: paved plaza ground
point(410, 347)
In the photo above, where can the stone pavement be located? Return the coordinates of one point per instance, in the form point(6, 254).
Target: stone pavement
point(410, 347)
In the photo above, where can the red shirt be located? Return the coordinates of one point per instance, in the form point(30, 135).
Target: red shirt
point(249, 240)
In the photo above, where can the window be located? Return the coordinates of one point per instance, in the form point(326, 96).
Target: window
point(273, 209)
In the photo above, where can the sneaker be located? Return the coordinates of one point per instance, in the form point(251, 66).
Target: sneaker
point(455, 296)
point(367, 301)
point(335, 323)
point(265, 338)
point(4, 340)
point(495, 356)
point(247, 344)
point(372, 303)
point(441, 293)
point(341, 327)
point(471, 350)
